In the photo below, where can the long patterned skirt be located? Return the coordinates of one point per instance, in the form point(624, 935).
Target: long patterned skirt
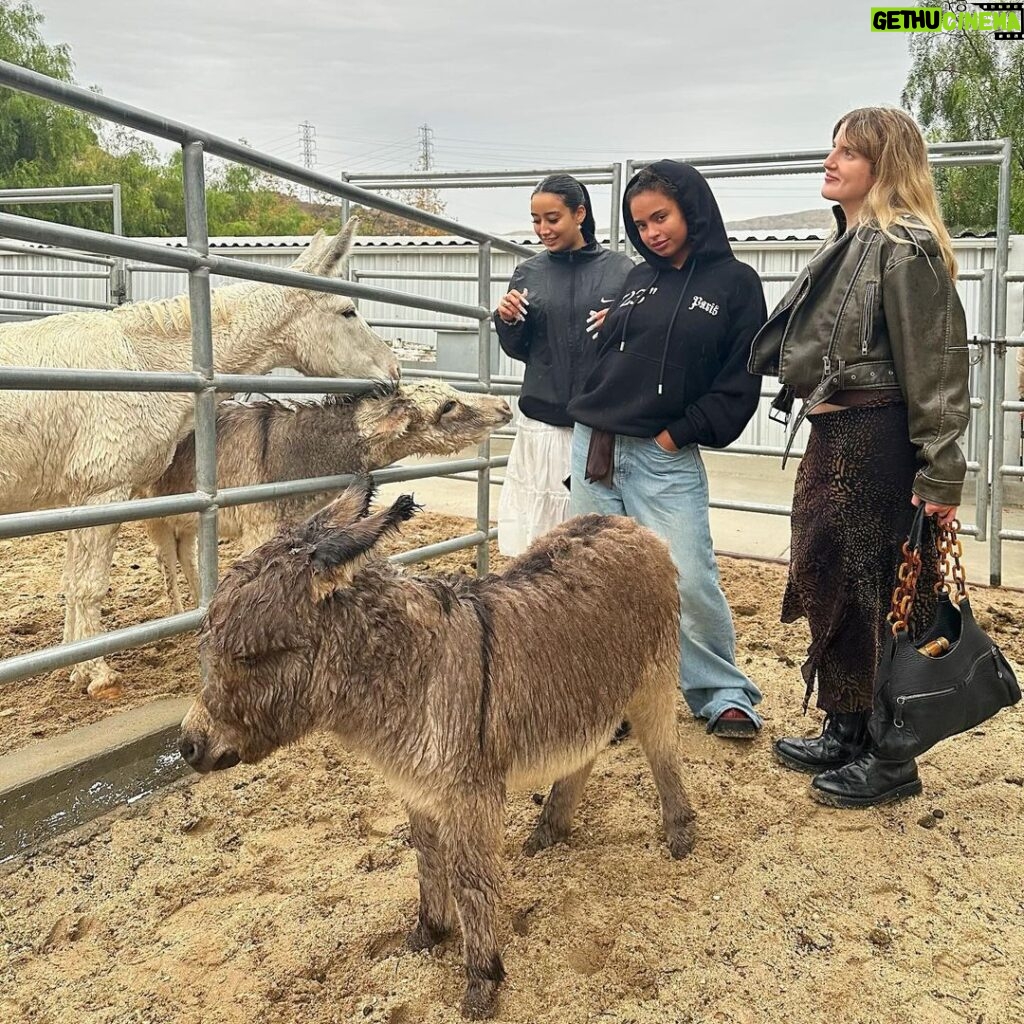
point(851, 514)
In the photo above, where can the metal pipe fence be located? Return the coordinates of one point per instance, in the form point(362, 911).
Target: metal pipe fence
point(198, 264)
point(115, 276)
point(992, 337)
point(605, 174)
point(203, 382)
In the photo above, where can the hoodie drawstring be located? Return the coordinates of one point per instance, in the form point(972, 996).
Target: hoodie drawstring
point(632, 306)
point(671, 324)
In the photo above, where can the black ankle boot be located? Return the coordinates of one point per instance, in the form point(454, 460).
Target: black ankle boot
point(841, 740)
point(866, 782)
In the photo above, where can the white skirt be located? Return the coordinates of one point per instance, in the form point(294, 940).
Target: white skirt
point(533, 497)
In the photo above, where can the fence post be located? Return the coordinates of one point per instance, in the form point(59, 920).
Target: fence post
point(615, 225)
point(483, 485)
point(995, 548)
point(202, 362)
point(118, 274)
point(983, 430)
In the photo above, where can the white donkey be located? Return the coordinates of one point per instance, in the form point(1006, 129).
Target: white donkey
point(90, 447)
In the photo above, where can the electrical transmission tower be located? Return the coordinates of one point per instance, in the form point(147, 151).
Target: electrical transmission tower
point(307, 138)
point(426, 147)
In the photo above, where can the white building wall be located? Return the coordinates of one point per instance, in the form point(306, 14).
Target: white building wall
point(454, 256)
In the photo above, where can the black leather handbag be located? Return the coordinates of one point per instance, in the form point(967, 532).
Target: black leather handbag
point(945, 681)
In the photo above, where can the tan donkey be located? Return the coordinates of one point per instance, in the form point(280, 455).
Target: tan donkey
point(458, 689)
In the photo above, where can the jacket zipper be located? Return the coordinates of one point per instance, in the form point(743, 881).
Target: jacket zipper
point(868, 319)
point(574, 351)
point(907, 698)
point(792, 307)
point(833, 341)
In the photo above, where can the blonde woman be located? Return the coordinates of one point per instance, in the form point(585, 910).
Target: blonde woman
point(872, 338)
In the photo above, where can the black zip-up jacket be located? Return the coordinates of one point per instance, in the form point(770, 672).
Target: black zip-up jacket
point(674, 351)
point(553, 340)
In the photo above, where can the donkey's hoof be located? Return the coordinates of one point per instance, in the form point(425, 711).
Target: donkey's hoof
point(681, 840)
point(425, 936)
point(104, 684)
point(480, 999)
point(542, 838)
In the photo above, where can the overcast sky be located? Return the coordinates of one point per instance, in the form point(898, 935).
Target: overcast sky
point(520, 84)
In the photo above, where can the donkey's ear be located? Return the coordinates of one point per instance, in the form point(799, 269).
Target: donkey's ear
point(348, 507)
point(336, 252)
point(308, 258)
point(338, 556)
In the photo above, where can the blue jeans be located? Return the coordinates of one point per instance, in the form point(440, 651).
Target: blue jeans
point(668, 493)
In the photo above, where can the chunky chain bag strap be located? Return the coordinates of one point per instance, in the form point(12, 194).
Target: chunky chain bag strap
point(947, 680)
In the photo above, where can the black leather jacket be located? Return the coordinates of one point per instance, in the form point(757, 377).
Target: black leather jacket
point(553, 340)
point(867, 313)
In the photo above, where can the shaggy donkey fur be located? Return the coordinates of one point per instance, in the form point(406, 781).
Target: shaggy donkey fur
point(458, 689)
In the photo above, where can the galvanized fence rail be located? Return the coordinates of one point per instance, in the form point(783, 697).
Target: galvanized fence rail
point(203, 382)
point(114, 276)
point(982, 153)
point(604, 174)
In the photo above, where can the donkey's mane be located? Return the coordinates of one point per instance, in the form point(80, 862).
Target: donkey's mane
point(232, 411)
point(380, 389)
point(172, 318)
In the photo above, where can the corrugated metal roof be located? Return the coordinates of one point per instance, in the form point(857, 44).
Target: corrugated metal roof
point(282, 242)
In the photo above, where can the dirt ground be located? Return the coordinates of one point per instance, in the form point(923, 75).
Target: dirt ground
point(281, 892)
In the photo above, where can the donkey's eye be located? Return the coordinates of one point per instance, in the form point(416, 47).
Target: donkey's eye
point(448, 407)
point(350, 312)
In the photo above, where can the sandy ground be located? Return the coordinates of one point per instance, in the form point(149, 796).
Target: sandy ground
point(32, 617)
point(282, 892)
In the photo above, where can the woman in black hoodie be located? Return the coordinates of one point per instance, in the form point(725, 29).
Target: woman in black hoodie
point(542, 320)
point(671, 375)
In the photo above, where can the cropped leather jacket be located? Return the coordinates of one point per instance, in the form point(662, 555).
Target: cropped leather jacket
point(868, 313)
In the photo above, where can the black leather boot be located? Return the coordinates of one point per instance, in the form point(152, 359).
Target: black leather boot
point(866, 782)
point(842, 739)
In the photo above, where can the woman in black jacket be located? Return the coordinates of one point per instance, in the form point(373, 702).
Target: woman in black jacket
point(672, 375)
point(542, 320)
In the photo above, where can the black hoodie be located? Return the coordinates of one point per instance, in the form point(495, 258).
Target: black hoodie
point(674, 349)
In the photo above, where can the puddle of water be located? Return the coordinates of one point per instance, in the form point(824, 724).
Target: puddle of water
point(76, 796)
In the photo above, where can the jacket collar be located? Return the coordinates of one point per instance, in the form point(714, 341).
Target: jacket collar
point(586, 253)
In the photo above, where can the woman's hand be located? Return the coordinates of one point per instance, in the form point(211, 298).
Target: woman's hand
point(512, 308)
point(665, 442)
point(596, 320)
point(945, 513)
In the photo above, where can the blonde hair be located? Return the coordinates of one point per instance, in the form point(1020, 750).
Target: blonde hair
point(903, 192)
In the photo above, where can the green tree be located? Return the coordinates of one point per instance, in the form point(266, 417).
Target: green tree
point(39, 141)
point(963, 86)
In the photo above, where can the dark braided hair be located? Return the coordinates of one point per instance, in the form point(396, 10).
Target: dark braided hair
point(573, 194)
point(647, 180)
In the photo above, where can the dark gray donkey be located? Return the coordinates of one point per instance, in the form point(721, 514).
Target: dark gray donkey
point(266, 441)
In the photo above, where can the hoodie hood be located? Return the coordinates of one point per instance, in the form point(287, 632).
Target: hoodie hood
point(700, 208)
